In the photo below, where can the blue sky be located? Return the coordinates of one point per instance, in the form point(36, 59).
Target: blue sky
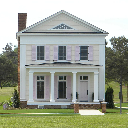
point(109, 15)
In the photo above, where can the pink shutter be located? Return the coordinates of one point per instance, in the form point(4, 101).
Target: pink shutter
point(55, 52)
point(77, 53)
point(90, 51)
point(69, 50)
point(47, 88)
point(33, 52)
point(34, 88)
point(69, 87)
point(47, 52)
point(55, 88)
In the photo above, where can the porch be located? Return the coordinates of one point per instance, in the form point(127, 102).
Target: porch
point(74, 76)
point(64, 105)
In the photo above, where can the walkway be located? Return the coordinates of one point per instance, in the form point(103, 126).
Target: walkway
point(90, 112)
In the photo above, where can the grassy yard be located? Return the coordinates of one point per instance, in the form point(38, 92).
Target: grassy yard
point(116, 89)
point(66, 120)
point(6, 93)
point(106, 121)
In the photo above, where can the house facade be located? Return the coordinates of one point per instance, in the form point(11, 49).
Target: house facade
point(61, 61)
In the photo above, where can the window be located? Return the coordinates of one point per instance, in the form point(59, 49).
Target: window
point(83, 77)
point(62, 53)
point(40, 52)
point(62, 87)
point(40, 87)
point(83, 52)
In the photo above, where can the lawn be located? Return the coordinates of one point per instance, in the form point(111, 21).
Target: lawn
point(116, 89)
point(6, 93)
point(112, 118)
point(106, 121)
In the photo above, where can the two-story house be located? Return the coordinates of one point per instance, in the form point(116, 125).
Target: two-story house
point(61, 61)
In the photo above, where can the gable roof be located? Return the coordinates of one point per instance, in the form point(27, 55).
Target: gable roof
point(68, 14)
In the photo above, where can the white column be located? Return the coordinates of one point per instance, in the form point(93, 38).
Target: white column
point(52, 87)
point(74, 87)
point(96, 87)
point(30, 87)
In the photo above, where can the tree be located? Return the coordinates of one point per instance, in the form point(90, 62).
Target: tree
point(117, 62)
point(8, 65)
point(109, 97)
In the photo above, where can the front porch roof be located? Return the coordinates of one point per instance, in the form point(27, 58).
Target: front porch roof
point(62, 65)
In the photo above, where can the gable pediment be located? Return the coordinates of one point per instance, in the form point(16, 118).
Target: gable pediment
point(62, 21)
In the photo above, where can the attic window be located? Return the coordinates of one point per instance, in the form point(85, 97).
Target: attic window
point(62, 26)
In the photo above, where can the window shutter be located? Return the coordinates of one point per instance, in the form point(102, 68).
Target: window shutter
point(47, 88)
point(77, 53)
point(34, 87)
point(55, 87)
point(55, 52)
point(90, 51)
point(69, 87)
point(47, 52)
point(33, 52)
point(69, 50)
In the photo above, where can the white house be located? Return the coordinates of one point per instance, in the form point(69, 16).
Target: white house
point(61, 61)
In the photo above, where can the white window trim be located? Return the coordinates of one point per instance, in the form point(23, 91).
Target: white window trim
point(44, 54)
point(44, 87)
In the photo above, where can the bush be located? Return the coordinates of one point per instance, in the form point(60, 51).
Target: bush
point(109, 97)
point(16, 101)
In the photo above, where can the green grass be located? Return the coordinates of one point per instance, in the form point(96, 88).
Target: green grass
point(116, 89)
point(123, 105)
point(106, 121)
point(6, 93)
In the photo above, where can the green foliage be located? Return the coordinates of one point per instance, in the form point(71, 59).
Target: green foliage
point(109, 97)
point(117, 60)
point(16, 101)
point(9, 84)
point(8, 65)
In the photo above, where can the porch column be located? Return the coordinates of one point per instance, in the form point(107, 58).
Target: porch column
point(52, 87)
point(30, 87)
point(96, 87)
point(74, 87)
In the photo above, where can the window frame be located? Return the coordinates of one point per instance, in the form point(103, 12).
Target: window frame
point(37, 53)
point(63, 80)
point(63, 52)
point(81, 53)
point(37, 85)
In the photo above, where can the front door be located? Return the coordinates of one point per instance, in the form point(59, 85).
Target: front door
point(83, 91)
point(62, 89)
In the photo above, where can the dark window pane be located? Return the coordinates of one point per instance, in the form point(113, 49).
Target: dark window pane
point(40, 52)
point(41, 77)
point(84, 53)
point(62, 53)
point(64, 77)
point(40, 89)
point(60, 77)
point(80, 77)
point(38, 77)
point(85, 77)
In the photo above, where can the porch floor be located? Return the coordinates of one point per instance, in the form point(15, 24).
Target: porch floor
point(59, 103)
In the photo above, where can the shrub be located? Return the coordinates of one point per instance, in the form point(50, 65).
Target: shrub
point(109, 97)
point(16, 101)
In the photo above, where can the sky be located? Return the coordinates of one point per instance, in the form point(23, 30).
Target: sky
point(109, 15)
